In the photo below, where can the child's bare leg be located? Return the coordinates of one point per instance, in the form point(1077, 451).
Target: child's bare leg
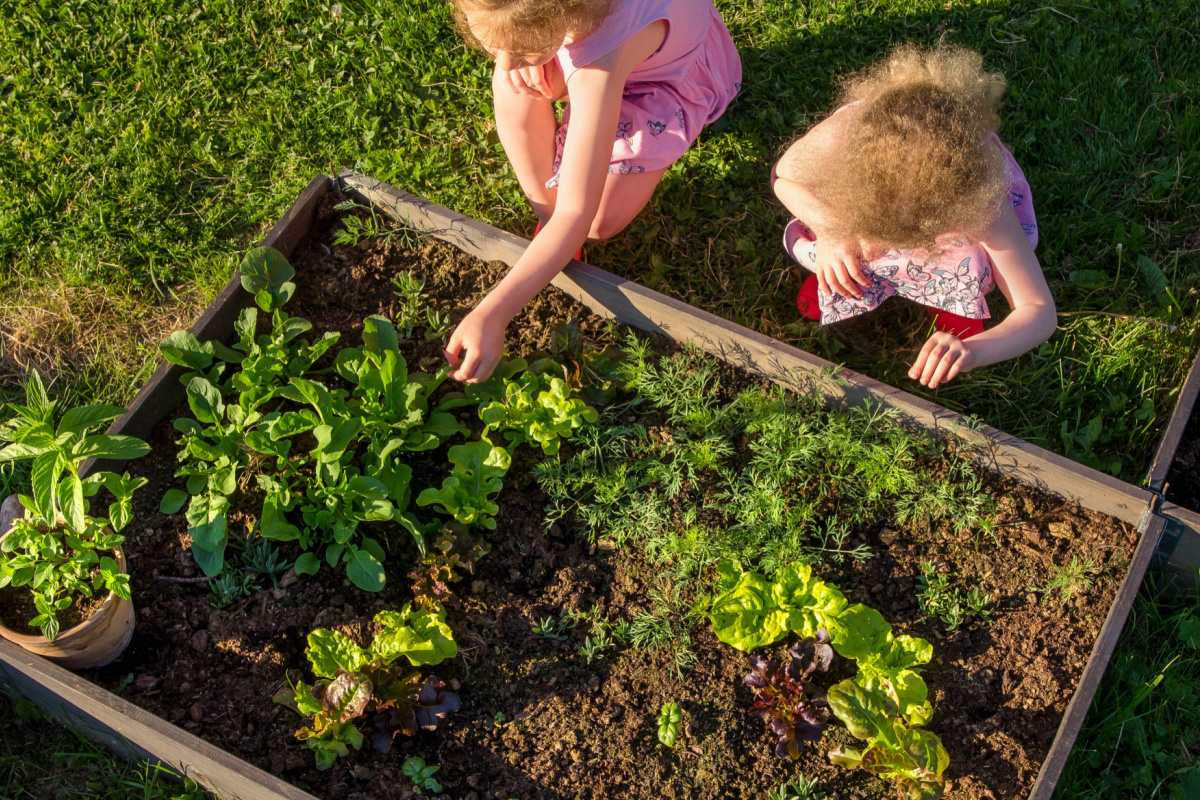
point(624, 198)
point(526, 126)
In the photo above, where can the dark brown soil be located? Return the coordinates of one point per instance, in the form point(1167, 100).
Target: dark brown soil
point(1183, 480)
point(537, 720)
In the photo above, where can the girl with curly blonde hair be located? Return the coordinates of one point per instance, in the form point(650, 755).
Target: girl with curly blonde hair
point(906, 189)
point(642, 77)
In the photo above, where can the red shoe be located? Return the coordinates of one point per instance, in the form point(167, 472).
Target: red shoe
point(960, 326)
point(806, 302)
point(578, 254)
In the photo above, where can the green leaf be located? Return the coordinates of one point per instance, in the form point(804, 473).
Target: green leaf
point(172, 501)
point(205, 401)
point(307, 564)
point(43, 478)
point(183, 348)
point(748, 615)
point(1154, 276)
point(329, 651)
point(423, 637)
point(860, 633)
point(265, 268)
point(79, 420)
point(865, 713)
point(465, 495)
point(363, 569)
point(71, 502)
point(669, 719)
point(379, 335)
point(118, 448)
point(274, 524)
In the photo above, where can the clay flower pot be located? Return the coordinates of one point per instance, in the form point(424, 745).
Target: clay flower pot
point(96, 641)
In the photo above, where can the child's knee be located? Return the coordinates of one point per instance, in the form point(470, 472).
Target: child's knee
point(606, 226)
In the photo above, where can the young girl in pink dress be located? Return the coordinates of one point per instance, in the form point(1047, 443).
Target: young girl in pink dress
point(643, 78)
point(907, 190)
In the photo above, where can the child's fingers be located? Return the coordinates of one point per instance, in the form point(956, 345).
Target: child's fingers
point(518, 83)
point(849, 287)
point(467, 371)
point(945, 363)
point(955, 369)
point(935, 360)
point(453, 348)
point(856, 272)
point(535, 77)
point(822, 281)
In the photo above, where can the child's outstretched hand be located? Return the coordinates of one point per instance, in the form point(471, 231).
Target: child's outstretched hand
point(481, 334)
point(941, 359)
point(837, 268)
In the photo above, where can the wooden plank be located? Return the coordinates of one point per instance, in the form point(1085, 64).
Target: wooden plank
point(1184, 405)
point(1102, 650)
point(628, 302)
point(132, 732)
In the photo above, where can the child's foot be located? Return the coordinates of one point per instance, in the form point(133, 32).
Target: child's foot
point(578, 253)
point(806, 302)
point(955, 324)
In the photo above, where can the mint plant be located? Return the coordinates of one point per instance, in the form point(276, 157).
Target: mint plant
point(57, 549)
point(670, 717)
point(373, 687)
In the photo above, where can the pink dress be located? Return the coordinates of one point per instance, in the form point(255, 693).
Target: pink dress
point(954, 279)
point(670, 96)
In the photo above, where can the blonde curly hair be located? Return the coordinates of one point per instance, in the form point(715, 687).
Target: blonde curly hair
point(528, 27)
point(918, 160)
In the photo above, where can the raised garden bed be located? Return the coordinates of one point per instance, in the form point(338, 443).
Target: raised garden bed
point(539, 720)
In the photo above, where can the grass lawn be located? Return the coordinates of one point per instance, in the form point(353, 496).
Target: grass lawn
point(144, 144)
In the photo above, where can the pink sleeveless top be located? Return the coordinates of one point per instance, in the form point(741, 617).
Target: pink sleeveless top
point(669, 98)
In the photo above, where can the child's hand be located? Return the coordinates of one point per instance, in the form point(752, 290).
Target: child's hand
point(941, 359)
point(481, 334)
point(837, 267)
point(532, 81)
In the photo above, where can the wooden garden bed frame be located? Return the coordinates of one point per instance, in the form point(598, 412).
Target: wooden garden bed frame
point(131, 731)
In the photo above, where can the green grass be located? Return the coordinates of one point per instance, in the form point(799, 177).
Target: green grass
point(144, 144)
point(40, 760)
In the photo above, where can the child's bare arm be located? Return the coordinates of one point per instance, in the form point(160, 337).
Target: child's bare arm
point(596, 92)
point(1032, 321)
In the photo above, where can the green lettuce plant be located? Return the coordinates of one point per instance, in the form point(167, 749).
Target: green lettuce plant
point(915, 759)
point(57, 549)
point(467, 493)
point(375, 689)
point(537, 409)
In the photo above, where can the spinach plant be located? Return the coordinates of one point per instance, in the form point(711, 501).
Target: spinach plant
point(373, 687)
point(669, 719)
point(57, 549)
point(421, 774)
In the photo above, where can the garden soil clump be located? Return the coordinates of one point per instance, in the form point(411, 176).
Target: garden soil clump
point(538, 721)
point(1183, 480)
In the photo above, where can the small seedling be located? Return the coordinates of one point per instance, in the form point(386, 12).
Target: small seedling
point(800, 788)
point(421, 774)
point(229, 587)
point(413, 300)
point(261, 557)
point(669, 719)
point(499, 718)
point(1077, 577)
point(954, 607)
point(437, 324)
point(549, 628)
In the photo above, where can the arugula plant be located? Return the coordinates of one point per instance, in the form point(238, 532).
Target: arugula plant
point(57, 549)
point(376, 688)
point(794, 709)
point(670, 717)
point(914, 758)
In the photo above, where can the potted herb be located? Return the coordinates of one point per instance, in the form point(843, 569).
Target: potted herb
point(57, 563)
